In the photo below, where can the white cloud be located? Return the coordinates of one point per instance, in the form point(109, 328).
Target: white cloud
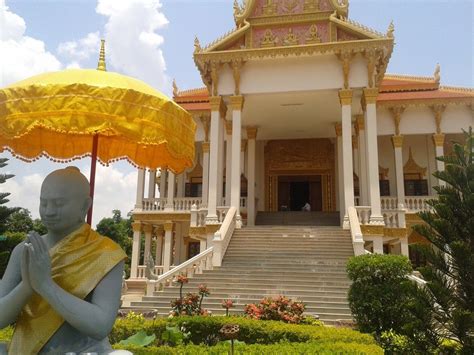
point(21, 56)
point(77, 51)
point(132, 41)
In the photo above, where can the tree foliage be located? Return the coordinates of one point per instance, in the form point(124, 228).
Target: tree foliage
point(118, 229)
point(379, 292)
point(5, 211)
point(449, 226)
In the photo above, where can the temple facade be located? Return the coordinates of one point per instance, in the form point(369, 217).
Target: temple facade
point(297, 110)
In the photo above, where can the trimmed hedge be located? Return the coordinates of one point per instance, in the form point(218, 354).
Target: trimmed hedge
point(258, 349)
point(205, 330)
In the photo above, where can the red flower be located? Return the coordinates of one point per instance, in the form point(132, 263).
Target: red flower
point(227, 304)
point(181, 279)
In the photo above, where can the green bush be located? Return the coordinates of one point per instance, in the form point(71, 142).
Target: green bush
point(205, 330)
point(394, 343)
point(6, 334)
point(258, 349)
point(380, 292)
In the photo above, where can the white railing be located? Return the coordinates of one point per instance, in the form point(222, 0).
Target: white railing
point(198, 216)
point(222, 236)
point(153, 204)
point(363, 214)
point(414, 204)
point(391, 218)
point(356, 233)
point(185, 203)
point(195, 265)
point(141, 271)
point(221, 213)
point(388, 203)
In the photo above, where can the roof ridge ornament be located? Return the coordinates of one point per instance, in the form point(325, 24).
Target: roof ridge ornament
point(197, 45)
point(101, 64)
point(390, 30)
point(175, 88)
point(437, 74)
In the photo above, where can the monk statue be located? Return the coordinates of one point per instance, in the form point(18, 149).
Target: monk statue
point(62, 289)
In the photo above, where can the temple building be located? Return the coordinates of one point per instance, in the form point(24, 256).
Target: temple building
point(296, 110)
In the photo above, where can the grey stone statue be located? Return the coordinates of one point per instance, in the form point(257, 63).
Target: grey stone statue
point(62, 289)
point(150, 268)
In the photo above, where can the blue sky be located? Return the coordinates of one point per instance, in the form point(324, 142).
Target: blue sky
point(426, 32)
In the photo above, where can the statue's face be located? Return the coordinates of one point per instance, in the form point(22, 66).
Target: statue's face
point(63, 204)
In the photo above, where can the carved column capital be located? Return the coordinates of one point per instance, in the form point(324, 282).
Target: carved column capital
point(438, 139)
point(397, 112)
point(168, 226)
point(359, 123)
point(397, 141)
point(237, 102)
point(252, 132)
point(205, 147)
point(345, 96)
point(438, 111)
point(147, 228)
point(136, 226)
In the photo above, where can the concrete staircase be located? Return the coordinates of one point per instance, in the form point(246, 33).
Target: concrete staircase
point(304, 263)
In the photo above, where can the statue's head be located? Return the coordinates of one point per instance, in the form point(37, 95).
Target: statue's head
point(64, 200)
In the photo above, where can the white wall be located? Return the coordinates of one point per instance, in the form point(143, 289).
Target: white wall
point(320, 72)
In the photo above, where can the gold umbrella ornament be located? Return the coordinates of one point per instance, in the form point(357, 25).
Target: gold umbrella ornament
point(74, 113)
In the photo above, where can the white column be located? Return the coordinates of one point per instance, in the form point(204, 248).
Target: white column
point(168, 246)
point(438, 140)
point(205, 173)
point(178, 244)
point(363, 185)
point(356, 157)
point(140, 188)
point(397, 141)
point(159, 248)
point(147, 229)
point(221, 163)
point(243, 146)
point(163, 174)
point(404, 246)
point(152, 184)
point(370, 99)
point(228, 166)
point(236, 103)
point(202, 246)
point(137, 231)
point(170, 198)
point(251, 136)
point(216, 105)
point(348, 171)
point(180, 183)
point(340, 174)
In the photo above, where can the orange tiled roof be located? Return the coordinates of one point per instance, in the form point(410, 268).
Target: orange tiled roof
point(392, 88)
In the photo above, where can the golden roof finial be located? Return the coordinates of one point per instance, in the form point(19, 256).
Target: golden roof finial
point(101, 64)
point(390, 30)
point(197, 45)
point(175, 89)
point(437, 73)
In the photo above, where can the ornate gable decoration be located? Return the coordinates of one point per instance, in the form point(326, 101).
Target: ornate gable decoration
point(411, 167)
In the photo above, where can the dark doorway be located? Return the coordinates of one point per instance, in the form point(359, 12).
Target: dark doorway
point(295, 191)
point(299, 192)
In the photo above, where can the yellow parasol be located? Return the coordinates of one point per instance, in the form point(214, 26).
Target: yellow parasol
point(61, 115)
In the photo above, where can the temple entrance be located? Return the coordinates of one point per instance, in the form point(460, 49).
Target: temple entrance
point(297, 172)
point(295, 191)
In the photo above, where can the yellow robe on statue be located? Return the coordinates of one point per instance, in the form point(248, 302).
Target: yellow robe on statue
point(78, 262)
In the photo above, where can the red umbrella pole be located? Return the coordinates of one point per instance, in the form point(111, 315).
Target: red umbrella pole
point(95, 144)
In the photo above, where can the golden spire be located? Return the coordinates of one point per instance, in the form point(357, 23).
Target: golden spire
point(390, 30)
point(197, 45)
point(101, 64)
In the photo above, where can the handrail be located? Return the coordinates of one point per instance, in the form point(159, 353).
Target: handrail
point(196, 264)
point(222, 236)
point(356, 232)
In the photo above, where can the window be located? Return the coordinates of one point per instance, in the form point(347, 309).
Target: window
point(193, 188)
point(384, 187)
point(416, 187)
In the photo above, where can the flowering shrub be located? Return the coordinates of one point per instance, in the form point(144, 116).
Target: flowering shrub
point(191, 304)
point(276, 308)
point(135, 317)
point(227, 304)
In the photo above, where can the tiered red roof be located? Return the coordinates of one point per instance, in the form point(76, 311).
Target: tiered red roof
point(392, 88)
